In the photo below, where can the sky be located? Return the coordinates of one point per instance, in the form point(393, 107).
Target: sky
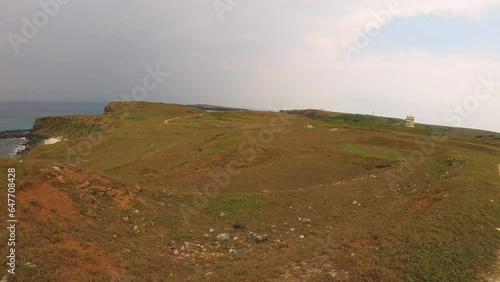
point(436, 60)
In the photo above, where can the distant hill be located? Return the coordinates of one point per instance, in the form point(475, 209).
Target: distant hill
point(394, 124)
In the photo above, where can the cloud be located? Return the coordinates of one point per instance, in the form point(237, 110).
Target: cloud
point(351, 21)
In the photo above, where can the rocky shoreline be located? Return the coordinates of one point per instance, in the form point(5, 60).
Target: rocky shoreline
point(27, 140)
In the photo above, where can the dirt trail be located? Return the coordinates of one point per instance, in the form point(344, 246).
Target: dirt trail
point(479, 145)
point(182, 117)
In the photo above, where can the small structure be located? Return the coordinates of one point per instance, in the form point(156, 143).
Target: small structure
point(410, 121)
point(309, 126)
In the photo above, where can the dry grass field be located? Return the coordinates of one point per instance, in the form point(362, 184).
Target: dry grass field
point(142, 192)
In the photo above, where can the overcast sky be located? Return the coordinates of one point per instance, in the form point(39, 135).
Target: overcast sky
point(427, 58)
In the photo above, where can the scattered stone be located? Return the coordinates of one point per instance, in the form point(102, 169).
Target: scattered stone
point(31, 265)
point(329, 227)
point(306, 220)
point(354, 202)
point(274, 227)
point(235, 238)
point(207, 236)
point(114, 236)
point(189, 246)
point(239, 225)
point(232, 251)
point(257, 238)
point(57, 169)
point(292, 229)
point(111, 193)
point(136, 228)
point(84, 185)
point(301, 236)
point(222, 237)
point(498, 229)
point(211, 230)
point(138, 189)
point(222, 214)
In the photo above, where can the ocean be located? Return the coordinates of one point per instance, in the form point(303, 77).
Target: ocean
point(22, 115)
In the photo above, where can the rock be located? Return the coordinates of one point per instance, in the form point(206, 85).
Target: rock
point(114, 236)
point(301, 236)
point(354, 202)
point(207, 236)
point(239, 225)
point(306, 220)
point(222, 237)
point(111, 193)
point(189, 246)
point(136, 228)
point(57, 169)
point(84, 185)
point(257, 238)
point(222, 214)
point(235, 238)
point(232, 251)
point(211, 230)
point(102, 191)
point(138, 189)
point(292, 229)
point(274, 227)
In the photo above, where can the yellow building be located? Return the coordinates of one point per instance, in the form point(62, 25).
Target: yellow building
point(410, 121)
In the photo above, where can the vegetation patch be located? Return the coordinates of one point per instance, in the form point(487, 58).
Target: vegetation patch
point(68, 126)
point(369, 151)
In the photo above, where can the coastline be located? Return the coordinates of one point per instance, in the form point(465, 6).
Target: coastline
point(27, 140)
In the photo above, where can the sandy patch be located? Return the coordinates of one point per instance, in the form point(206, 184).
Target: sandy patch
point(52, 140)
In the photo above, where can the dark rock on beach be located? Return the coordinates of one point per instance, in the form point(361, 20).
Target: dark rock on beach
point(27, 140)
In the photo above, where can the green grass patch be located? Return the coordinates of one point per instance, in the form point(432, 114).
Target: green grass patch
point(181, 236)
point(236, 204)
point(71, 125)
point(369, 151)
point(166, 220)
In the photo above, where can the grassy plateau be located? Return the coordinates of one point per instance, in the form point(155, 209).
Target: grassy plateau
point(142, 192)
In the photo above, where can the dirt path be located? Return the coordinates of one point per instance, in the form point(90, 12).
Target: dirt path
point(182, 117)
point(479, 145)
